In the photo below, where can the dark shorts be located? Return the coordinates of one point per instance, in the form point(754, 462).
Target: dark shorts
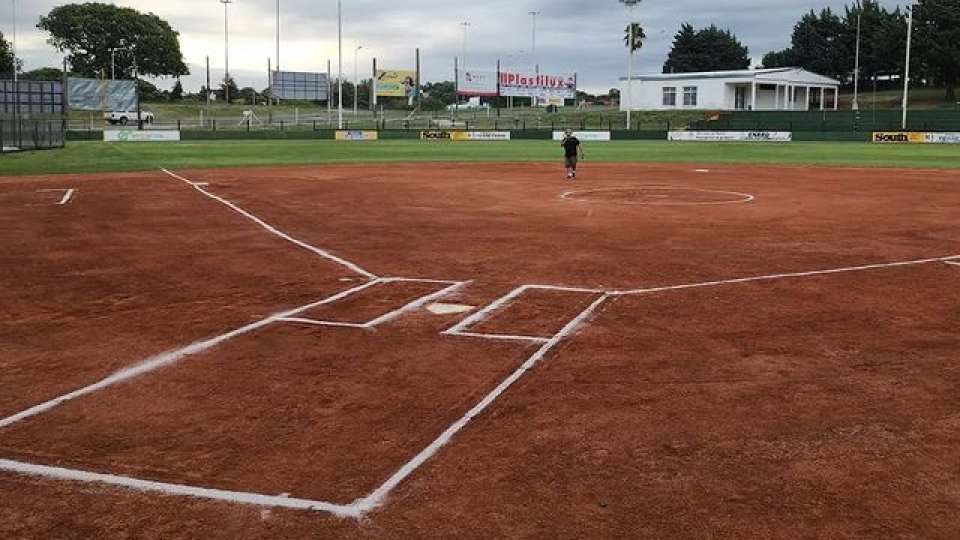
point(570, 161)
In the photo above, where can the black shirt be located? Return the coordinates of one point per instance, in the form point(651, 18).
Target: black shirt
point(570, 145)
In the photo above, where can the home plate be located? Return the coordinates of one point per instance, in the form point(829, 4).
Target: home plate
point(702, 171)
point(438, 308)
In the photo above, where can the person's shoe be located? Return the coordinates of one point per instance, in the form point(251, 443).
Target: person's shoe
point(569, 176)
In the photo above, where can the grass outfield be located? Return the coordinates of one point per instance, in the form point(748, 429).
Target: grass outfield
point(84, 157)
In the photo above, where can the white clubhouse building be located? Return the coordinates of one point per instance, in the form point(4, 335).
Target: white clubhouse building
point(776, 89)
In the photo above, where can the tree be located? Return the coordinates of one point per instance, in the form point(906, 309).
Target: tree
point(176, 93)
point(638, 36)
point(93, 32)
point(228, 89)
point(708, 49)
point(7, 60)
point(43, 74)
point(826, 43)
point(249, 95)
point(937, 24)
point(437, 95)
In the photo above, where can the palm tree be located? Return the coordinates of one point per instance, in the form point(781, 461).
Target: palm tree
point(638, 35)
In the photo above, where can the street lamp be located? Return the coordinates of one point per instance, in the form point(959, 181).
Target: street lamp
point(226, 52)
point(629, 4)
point(356, 77)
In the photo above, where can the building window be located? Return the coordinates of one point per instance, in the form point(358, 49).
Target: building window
point(670, 96)
point(689, 96)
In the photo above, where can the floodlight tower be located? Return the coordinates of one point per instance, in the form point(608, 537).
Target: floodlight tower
point(533, 38)
point(226, 52)
point(630, 4)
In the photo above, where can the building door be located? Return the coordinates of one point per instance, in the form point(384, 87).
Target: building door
point(740, 98)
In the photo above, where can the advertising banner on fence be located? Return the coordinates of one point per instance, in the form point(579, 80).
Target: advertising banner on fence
point(101, 95)
point(731, 136)
point(585, 135)
point(352, 135)
point(898, 137)
point(538, 85)
point(396, 82)
point(465, 135)
point(942, 138)
point(130, 135)
point(477, 82)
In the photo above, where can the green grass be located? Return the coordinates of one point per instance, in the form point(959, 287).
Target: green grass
point(86, 157)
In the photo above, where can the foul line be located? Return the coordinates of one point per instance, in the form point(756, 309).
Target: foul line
point(177, 489)
point(771, 277)
point(175, 355)
point(273, 230)
point(67, 194)
point(373, 500)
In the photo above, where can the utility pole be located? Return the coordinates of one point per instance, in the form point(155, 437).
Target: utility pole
point(339, 64)
point(356, 77)
point(13, 45)
point(463, 53)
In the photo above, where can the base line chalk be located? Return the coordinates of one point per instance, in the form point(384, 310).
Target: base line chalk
point(138, 484)
point(175, 355)
point(273, 230)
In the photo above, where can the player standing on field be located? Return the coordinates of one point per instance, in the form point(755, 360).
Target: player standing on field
point(571, 146)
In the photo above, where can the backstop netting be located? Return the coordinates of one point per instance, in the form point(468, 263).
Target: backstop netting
point(31, 115)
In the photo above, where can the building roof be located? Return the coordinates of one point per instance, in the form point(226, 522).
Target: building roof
point(791, 75)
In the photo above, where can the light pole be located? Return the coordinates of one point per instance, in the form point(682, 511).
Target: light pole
point(339, 65)
point(13, 44)
point(356, 77)
point(113, 64)
point(278, 35)
point(906, 67)
point(464, 25)
point(629, 4)
point(533, 31)
point(856, 67)
point(226, 52)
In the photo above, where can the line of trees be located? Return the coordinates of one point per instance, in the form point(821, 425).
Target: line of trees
point(826, 42)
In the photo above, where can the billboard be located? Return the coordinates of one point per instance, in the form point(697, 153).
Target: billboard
point(465, 135)
point(129, 135)
point(101, 95)
point(538, 85)
point(584, 135)
point(356, 135)
point(731, 136)
point(477, 82)
point(300, 85)
point(396, 82)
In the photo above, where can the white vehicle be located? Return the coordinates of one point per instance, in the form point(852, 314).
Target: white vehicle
point(472, 104)
point(125, 117)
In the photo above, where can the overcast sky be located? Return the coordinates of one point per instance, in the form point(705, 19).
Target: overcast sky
point(571, 35)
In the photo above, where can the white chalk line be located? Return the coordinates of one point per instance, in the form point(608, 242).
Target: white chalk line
point(170, 357)
point(771, 277)
point(316, 322)
point(138, 484)
point(373, 500)
point(67, 194)
point(952, 263)
point(500, 337)
point(745, 197)
point(415, 304)
point(273, 230)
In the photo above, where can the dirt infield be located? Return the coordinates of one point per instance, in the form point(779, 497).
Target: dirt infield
point(651, 351)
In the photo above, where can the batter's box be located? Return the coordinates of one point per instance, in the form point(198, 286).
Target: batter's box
point(535, 313)
point(382, 301)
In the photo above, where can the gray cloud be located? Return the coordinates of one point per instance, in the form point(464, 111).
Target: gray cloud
point(572, 35)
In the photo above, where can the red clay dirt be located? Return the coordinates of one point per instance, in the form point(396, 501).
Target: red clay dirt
point(807, 407)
